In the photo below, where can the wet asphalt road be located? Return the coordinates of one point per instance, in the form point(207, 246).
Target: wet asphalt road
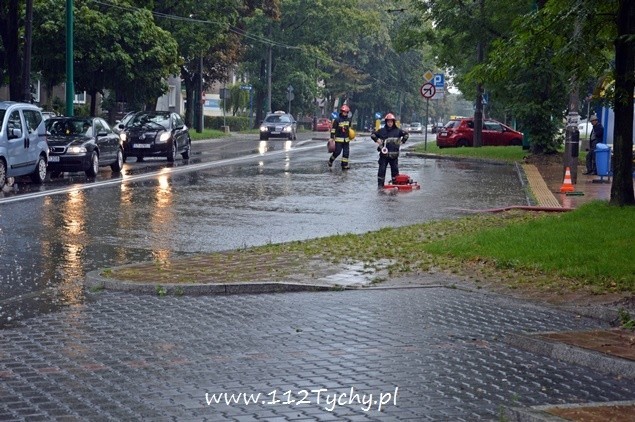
point(231, 194)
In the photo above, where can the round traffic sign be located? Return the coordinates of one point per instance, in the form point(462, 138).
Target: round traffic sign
point(428, 90)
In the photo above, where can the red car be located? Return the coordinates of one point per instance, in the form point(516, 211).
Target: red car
point(323, 125)
point(460, 133)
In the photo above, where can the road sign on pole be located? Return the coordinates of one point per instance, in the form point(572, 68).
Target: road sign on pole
point(428, 90)
point(439, 80)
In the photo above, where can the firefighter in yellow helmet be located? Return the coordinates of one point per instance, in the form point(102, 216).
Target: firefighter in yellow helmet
point(388, 139)
point(340, 133)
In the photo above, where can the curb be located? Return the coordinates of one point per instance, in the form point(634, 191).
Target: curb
point(611, 365)
point(455, 158)
point(94, 281)
point(539, 414)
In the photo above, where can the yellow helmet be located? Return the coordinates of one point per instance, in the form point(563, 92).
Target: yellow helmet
point(351, 134)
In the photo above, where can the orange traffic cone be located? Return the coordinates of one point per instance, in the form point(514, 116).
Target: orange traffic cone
point(567, 186)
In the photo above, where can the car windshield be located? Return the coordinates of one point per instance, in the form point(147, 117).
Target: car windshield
point(69, 127)
point(150, 120)
point(274, 118)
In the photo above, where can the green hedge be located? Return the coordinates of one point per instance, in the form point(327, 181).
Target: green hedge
point(235, 123)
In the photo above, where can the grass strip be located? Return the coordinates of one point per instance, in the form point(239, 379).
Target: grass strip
point(592, 246)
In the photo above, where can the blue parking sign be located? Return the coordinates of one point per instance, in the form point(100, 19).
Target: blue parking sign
point(439, 80)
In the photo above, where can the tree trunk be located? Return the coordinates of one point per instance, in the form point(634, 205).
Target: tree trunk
point(93, 101)
point(9, 32)
point(622, 187)
point(190, 98)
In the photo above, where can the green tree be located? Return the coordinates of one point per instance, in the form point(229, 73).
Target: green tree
point(211, 32)
point(10, 53)
point(115, 48)
point(327, 49)
point(576, 41)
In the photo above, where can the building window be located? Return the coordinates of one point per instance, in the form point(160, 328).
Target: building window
point(172, 96)
point(80, 98)
point(35, 91)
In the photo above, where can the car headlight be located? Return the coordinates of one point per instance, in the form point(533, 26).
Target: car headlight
point(263, 128)
point(123, 137)
point(287, 129)
point(165, 136)
point(77, 150)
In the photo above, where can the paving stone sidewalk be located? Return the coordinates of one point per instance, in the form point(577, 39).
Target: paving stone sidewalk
point(438, 352)
point(427, 352)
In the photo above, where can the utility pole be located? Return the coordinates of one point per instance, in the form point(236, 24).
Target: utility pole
point(199, 88)
point(478, 109)
point(26, 69)
point(572, 134)
point(269, 79)
point(70, 87)
point(269, 74)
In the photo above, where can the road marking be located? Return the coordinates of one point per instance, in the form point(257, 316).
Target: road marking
point(162, 172)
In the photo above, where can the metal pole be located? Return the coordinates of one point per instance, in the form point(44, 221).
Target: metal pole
point(251, 106)
point(70, 87)
point(199, 88)
point(478, 112)
point(572, 135)
point(425, 128)
point(269, 73)
point(26, 70)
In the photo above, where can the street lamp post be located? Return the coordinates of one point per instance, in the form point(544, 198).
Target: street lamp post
point(26, 70)
point(201, 99)
point(70, 87)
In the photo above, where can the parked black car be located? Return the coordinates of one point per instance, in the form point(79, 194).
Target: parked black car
point(278, 125)
point(155, 133)
point(82, 144)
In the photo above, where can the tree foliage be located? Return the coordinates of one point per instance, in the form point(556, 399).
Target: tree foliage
point(116, 47)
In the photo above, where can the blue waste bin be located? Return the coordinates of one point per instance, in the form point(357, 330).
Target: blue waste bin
point(603, 159)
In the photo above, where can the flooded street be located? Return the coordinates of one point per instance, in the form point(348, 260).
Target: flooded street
point(270, 192)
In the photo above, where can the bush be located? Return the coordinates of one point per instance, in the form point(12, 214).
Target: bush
point(235, 123)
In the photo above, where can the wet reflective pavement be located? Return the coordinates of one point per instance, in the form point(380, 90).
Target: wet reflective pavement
point(280, 192)
point(388, 354)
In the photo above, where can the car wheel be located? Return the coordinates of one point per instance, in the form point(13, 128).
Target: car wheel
point(3, 173)
point(171, 152)
point(39, 174)
point(93, 168)
point(461, 143)
point(186, 154)
point(118, 164)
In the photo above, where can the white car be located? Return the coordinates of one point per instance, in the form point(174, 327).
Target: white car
point(416, 127)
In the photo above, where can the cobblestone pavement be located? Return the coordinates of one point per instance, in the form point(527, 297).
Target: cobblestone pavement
point(126, 357)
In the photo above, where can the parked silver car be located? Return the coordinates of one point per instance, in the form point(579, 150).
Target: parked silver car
point(23, 147)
